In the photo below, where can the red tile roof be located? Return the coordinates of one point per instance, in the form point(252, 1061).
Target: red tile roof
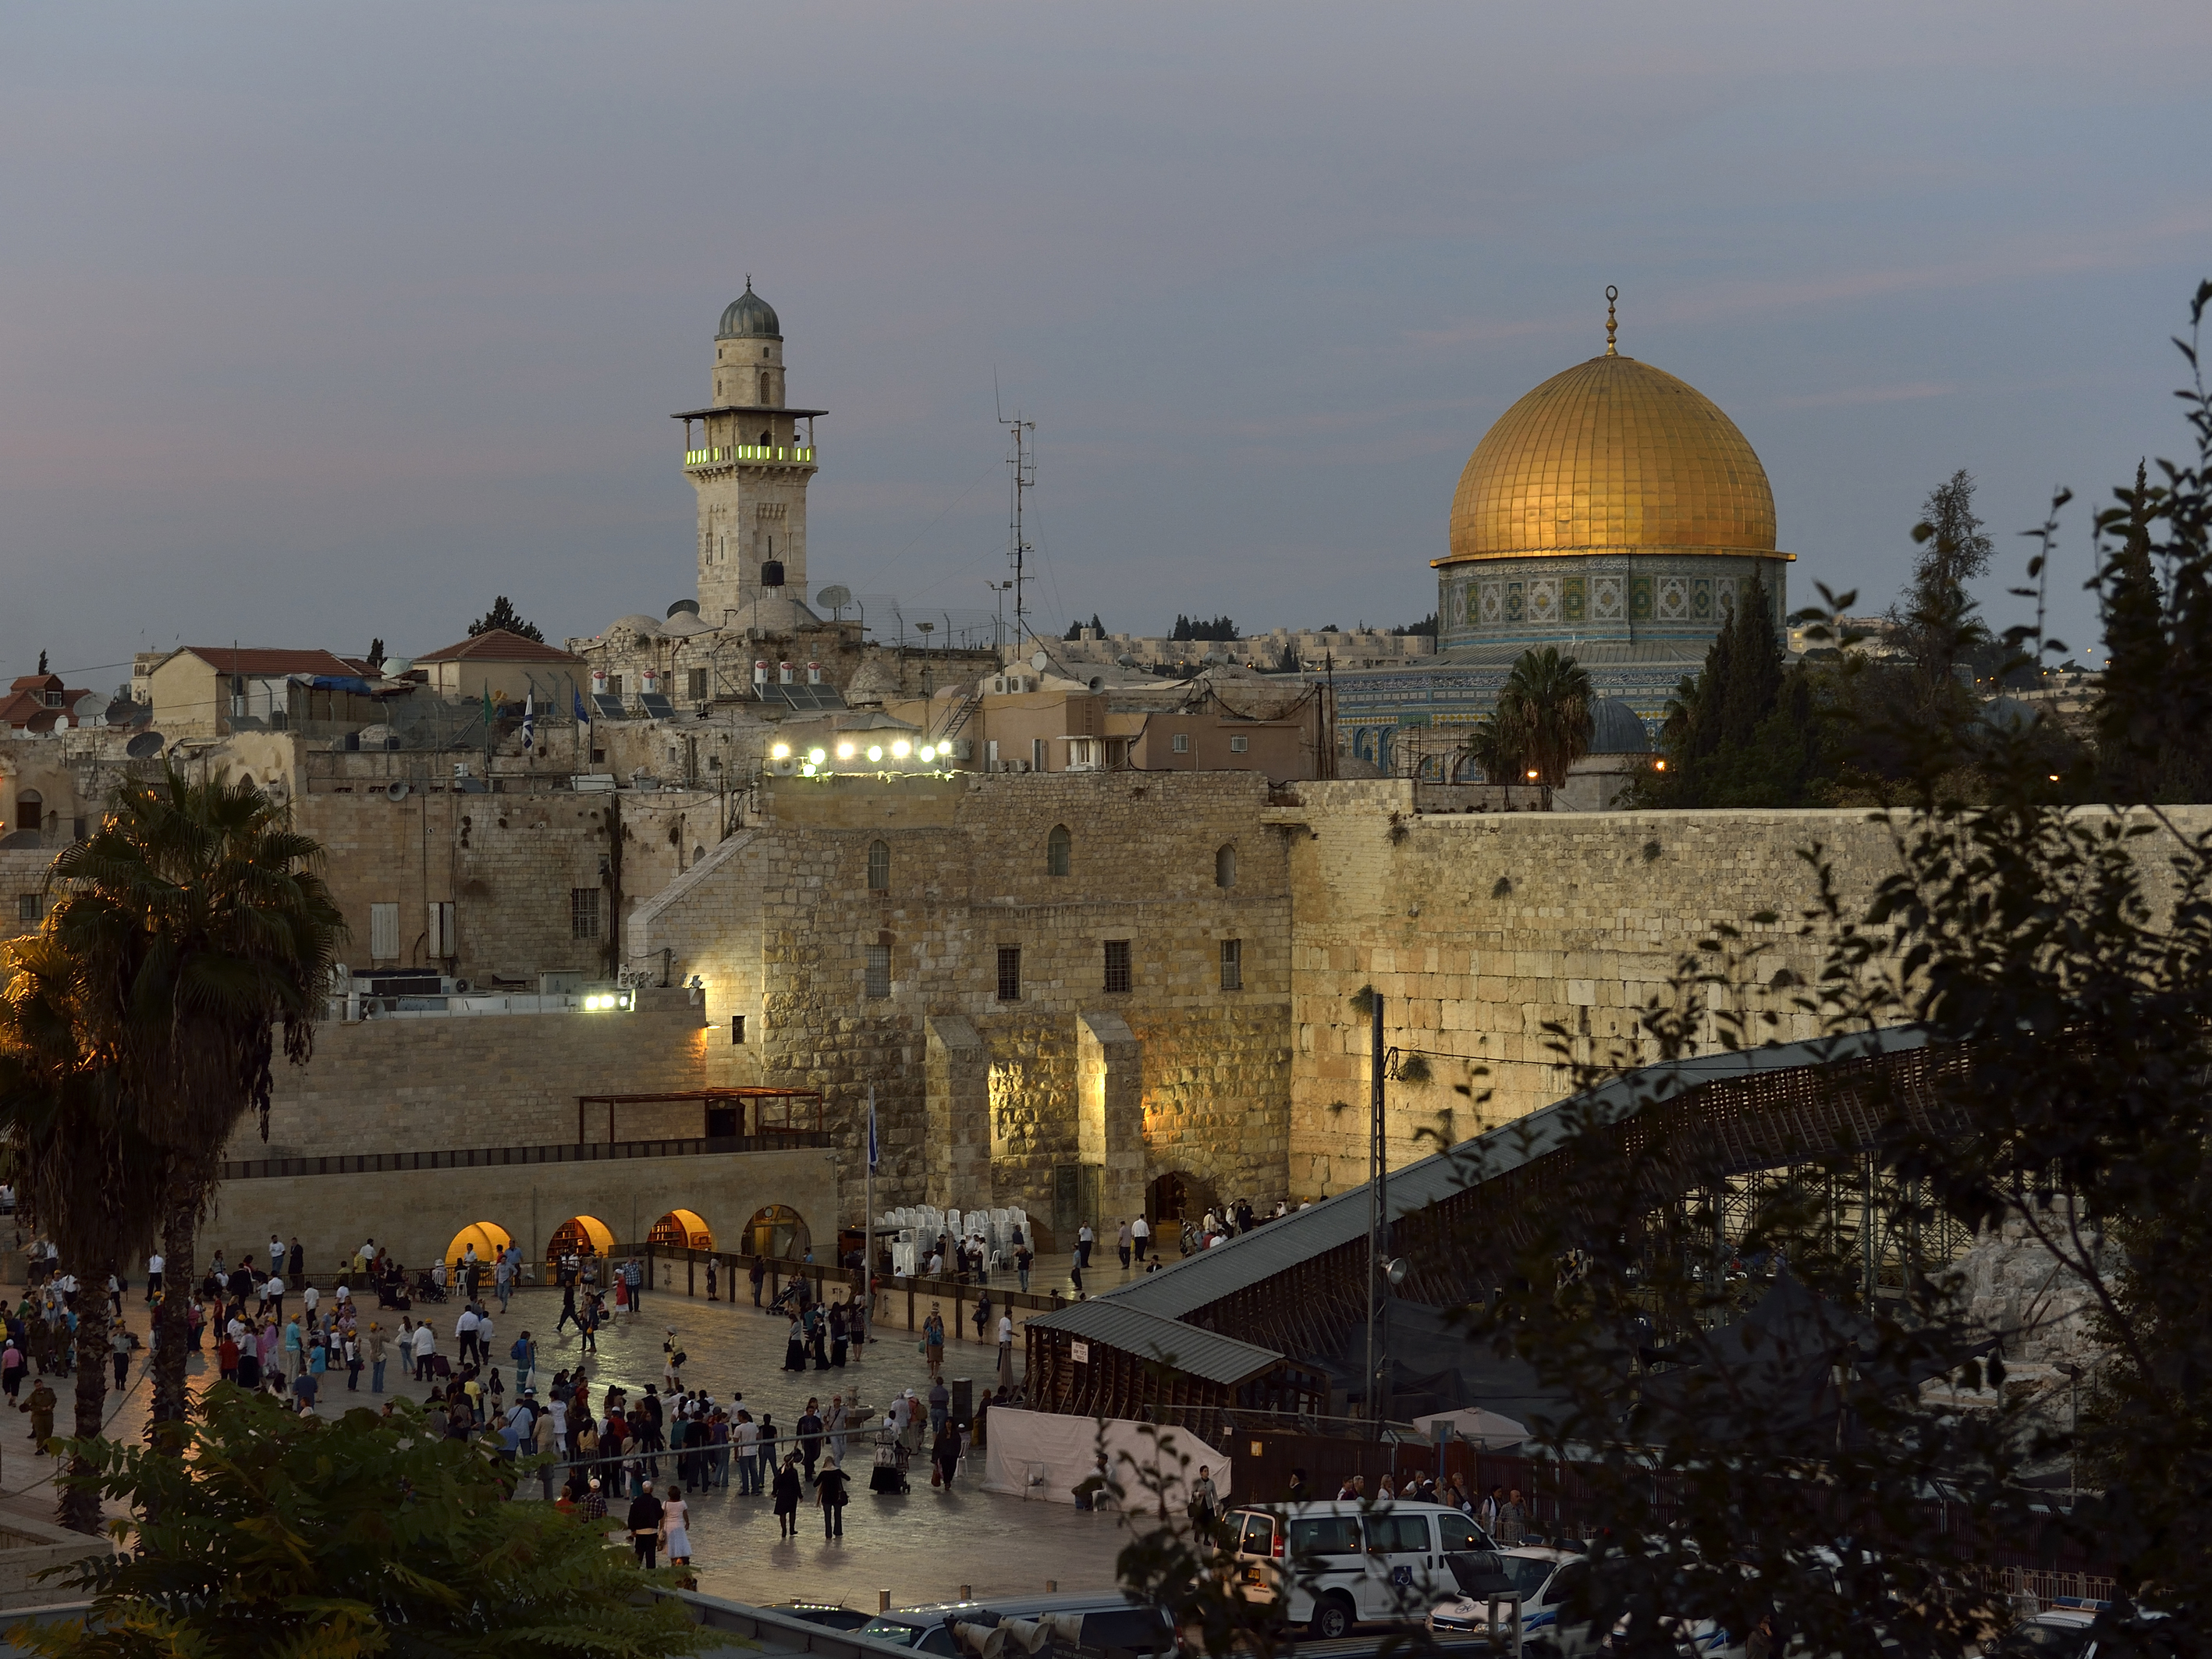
point(498, 645)
point(252, 660)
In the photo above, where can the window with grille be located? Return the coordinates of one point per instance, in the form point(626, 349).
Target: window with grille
point(1010, 973)
point(1239, 746)
point(384, 931)
point(1058, 848)
point(1117, 965)
point(1224, 867)
point(879, 970)
point(584, 913)
point(697, 680)
point(1182, 745)
point(1232, 964)
point(879, 867)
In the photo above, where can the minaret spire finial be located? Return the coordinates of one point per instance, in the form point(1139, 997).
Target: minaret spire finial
point(1611, 294)
point(749, 281)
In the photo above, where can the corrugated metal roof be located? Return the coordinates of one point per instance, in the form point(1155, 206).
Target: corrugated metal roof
point(1198, 1281)
point(1194, 1352)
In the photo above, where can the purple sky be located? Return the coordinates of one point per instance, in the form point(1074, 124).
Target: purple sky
point(328, 322)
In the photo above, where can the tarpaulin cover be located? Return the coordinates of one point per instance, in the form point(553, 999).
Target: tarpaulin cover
point(352, 682)
point(1044, 1455)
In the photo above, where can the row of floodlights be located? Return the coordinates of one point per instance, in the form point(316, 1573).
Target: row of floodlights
point(601, 1002)
point(899, 751)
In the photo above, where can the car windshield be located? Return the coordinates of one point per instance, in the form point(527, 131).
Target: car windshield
point(2047, 1641)
point(1529, 1573)
point(890, 1631)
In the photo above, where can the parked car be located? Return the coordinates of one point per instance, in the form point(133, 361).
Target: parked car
point(1336, 1564)
point(831, 1615)
point(1545, 1577)
point(1111, 1623)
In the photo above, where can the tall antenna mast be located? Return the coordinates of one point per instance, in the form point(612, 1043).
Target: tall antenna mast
point(1023, 462)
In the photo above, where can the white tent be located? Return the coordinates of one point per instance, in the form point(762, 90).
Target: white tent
point(1043, 1454)
point(1478, 1426)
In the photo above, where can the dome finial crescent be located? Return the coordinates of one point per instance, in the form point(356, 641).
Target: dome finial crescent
point(1611, 294)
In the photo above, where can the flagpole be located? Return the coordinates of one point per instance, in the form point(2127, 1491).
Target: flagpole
point(868, 1229)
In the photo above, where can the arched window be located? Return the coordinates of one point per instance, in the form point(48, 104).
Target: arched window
point(879, 867)
point(1059, 847)
point(1224, 867)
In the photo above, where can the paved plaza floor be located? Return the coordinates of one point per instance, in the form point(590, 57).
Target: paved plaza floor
point(921, 1546)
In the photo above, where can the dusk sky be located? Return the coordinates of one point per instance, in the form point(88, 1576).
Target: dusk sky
point(324, 322)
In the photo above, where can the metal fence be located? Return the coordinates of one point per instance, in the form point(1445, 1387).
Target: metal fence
point(485, 1157)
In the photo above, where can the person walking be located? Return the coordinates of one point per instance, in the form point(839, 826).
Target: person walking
point(40, 1405)
point(829, 1492)
point(524, 1353)
point(945, 1455)
point(645, 1515)
point(676, 1528)
point(1024, 1259)
point(1512, 1520)
point(1204, 1500)
point(1007, 1351)
point(840, 1334)
point(809, 1429)
point(1123, 1242)
point(502, 1281)
point(634, 1276)
point(940, 1405)
point(787, 1498)
point(1140, 1235)
point(349, 1349)
point(745, 1436)
point(545, 1445)
point(759, 1276)
point(983, 1317)
point(1084, 1240)
point(836, 1423)
point(568, 1306)
point(464, 1334)
point(794, 1346)
point(377, 1348)
point(426, 1350)
point(933, 1342)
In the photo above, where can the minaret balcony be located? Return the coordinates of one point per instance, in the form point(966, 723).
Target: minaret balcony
point(756, 454)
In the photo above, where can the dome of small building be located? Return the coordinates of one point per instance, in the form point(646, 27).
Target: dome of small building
point(749, 317)
point(1611, 456)
point(682, 624)
point(871, 683)
point(639, 623)
point(1616, 729)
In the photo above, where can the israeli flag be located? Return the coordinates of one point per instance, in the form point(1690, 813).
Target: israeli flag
point(529, 718)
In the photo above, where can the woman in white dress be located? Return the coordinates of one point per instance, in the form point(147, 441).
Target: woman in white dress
point(676, 1528)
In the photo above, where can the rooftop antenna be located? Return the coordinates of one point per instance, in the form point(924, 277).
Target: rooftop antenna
point(1023, 462)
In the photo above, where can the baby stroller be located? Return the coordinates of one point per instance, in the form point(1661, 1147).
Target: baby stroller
point(791, 1299)
point(889, 1476)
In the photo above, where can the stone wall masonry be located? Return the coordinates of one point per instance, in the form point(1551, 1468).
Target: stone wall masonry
point(391, 1085)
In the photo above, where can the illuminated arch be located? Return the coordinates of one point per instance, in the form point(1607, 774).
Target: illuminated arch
point(489, 1237)
point(580, 1235)
point(776, 1229)
point(681, 1229)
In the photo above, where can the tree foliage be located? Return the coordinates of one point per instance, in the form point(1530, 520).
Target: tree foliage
point(1204, 627)
point(280, 1534)
point(503, 614)
point(1744, 731)
point(1542, 722)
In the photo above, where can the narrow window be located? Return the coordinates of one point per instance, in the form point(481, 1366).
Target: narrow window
point(583, 913)
point(1010, 973)
point(879, 970)
point(1232, 964)
point(737, 1030)
point(613, 685)
point(1036, 754)
point(1182, 745)
point(1058, 845)
point(1117, 965)
point(1239, 746)
point(1224, 867)
point(698, 684)
point(879, 867)
point(384, 931)
point(26, 906)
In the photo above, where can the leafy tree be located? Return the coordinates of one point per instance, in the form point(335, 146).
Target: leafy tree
point(87, 1170)
point(503, 614)
point(1937, 624)
point(205, 935)
point(1427, 626)
point(284, 1534)
point(1200, 627)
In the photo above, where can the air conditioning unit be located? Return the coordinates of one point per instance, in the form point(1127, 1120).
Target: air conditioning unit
point(963, 749)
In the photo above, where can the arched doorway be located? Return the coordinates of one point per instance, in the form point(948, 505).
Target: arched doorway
point(776, 1231)
point(489, 1237)
point(681, 1229)
point(1174, 1198)
point(580, 1234)
point(30, 813)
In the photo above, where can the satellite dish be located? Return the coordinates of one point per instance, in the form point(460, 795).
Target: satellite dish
point(1040, 660)
point(145, 745)
point(396, 792)
point(836, 596)
point(692, 605)
point(395, 667)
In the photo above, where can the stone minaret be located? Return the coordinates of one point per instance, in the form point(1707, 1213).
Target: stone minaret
point(749, 457)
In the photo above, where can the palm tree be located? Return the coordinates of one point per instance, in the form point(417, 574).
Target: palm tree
point(202, 928)
point(1543, 719)
point(89, 1178)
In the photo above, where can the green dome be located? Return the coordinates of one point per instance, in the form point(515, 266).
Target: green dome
point(749, 318)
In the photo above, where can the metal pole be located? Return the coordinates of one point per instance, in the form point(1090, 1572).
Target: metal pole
point(868, 1225)
point(1377, 1219)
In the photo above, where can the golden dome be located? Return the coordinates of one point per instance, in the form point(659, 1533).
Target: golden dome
point(1611, 456)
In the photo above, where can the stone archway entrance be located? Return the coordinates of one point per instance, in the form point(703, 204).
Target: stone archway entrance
point(1173, 1199)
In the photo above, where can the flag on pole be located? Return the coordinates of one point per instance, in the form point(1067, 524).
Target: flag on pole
point(583, 714)
point(872, 1151)
point(529, 718)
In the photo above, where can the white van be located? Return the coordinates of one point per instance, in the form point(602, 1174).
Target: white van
point(1336, 1564)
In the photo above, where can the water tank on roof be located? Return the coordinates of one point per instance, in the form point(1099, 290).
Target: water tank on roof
point(772, 574)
